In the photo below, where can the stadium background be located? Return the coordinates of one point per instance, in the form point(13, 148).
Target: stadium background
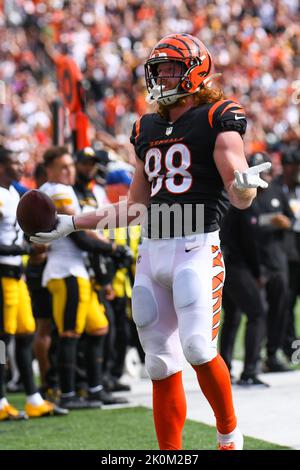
point(255, 44)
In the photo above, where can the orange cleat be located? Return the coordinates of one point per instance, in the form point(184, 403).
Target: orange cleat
point(236, 441)
point(230, 446)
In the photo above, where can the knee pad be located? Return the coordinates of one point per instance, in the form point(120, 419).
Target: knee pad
point(185, 288)
point(198, 351)
point(144, 307)
point(160, 366)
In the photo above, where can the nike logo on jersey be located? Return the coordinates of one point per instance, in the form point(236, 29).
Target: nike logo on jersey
point(238, 117)
point(187, 250)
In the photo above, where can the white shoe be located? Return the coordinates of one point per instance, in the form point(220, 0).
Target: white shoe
point(231, 441)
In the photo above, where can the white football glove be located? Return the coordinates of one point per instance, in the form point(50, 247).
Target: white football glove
point(250, 178)
point(65, 226)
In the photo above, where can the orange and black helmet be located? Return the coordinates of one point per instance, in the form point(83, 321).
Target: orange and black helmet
point(196, 70)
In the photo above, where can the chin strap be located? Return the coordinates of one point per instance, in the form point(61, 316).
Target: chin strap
point(155, 94)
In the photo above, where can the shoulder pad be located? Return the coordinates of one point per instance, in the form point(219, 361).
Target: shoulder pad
point(227, 115)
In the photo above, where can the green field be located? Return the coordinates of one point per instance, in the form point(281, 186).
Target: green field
point(108, 429)
point(119, 429)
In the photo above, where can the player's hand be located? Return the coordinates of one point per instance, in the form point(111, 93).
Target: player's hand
point(64, 226)
point(251, 178)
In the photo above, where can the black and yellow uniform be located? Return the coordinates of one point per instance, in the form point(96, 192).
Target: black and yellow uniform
point(40, 296)
point(16, 315)
point(122, 286)
point(75, 304)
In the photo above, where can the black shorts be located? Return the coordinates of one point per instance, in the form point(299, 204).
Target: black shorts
point(41, 298)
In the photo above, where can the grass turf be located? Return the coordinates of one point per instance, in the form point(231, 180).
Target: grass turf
point(128, 428)
point(119, 429)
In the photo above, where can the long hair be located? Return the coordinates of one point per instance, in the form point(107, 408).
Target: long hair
point(203, 96)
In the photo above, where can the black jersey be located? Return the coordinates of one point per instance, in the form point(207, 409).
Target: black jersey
point(178, 159)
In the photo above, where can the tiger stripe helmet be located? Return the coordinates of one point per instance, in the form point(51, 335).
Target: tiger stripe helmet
point(196, 70)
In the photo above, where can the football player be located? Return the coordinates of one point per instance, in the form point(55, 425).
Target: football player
point(86, 167)
point(76, 307)
point(188, 152)
point(16, 317)
point(41, 301)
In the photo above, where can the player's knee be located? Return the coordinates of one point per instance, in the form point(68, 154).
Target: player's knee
point(185, 288)
point(159, 367)
point(144, 307)
point(197, 350)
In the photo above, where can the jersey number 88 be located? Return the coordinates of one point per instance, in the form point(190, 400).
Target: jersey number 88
point(153, 165)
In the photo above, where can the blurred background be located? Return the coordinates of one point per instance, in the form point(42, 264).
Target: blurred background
point(255, 44)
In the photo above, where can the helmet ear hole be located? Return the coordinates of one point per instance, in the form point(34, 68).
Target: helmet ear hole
point(186, 84)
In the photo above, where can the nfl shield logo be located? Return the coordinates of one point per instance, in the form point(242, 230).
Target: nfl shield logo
point(169, 130)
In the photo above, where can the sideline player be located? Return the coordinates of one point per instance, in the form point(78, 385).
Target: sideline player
point(16, 317)
point(187, 153)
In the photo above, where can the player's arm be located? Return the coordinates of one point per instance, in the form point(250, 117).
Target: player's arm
point(14, 250)
point(119, 214)
point(239, 180)
point(85, 241)
point(112, 215)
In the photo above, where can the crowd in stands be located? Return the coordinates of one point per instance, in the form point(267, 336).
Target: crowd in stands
point(255, 45)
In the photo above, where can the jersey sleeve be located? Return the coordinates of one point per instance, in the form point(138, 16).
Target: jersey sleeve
point(227, 115)
point(135, 136)
point(62, 196)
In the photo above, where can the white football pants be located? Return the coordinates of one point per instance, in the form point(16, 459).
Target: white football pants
point(176, 301)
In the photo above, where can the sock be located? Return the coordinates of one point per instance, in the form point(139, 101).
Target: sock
point(67, 364)
point(3, 403)
point(214, 380)
point(169, 410)
point(24, 362)
point(228, 438)
point(35, 399)
point(94, 360)
point(2, 380)
point(5, 338)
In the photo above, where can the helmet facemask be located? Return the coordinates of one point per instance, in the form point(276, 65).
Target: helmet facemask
point(155, 85)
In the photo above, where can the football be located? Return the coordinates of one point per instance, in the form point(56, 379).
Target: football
point(36, 212)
